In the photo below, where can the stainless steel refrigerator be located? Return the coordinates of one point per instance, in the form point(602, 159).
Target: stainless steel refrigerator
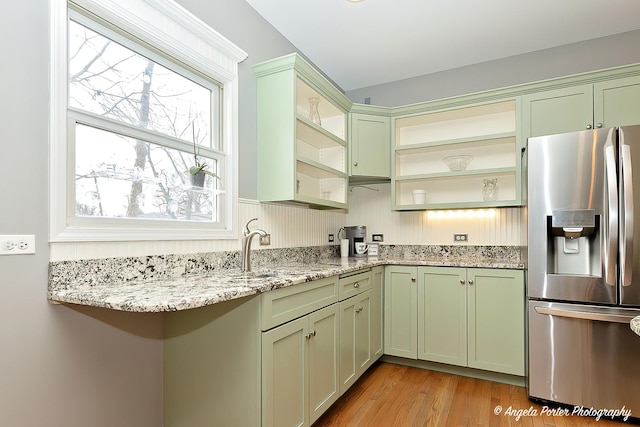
point(583, 267)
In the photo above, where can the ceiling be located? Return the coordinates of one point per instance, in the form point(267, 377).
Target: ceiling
point(379, 41)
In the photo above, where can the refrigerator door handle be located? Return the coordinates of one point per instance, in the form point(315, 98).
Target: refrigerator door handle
point(626, 231)
point(586, 315)
point(611, 238)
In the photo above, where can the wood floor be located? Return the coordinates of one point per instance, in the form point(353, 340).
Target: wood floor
point(394, 395)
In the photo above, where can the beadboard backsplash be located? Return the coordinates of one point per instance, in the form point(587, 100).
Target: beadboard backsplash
point(370, 205)
point(288, 225)
point(297, 226)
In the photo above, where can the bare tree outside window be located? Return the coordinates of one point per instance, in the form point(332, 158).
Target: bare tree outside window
point(134, 163)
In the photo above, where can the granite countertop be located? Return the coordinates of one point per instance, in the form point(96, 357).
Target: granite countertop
point(165, 294)
point(635, 325)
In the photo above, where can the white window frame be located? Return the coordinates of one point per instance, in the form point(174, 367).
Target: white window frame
point(179, 35)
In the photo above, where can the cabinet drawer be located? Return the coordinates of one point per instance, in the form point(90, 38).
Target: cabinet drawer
point(354, 284)
point(283, 305)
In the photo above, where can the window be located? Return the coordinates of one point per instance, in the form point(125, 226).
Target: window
point(144, 112)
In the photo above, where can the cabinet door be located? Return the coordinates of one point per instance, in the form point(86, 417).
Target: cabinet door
point(557, 111)
point(496, 320)
point(323, 360)
point(370, 146)
point(377, 328)
point(285, 401)
point(617, 102)
point(355, 338)
point(401, 311)
point(442, 315)
point(363, 332)
point(347, 344)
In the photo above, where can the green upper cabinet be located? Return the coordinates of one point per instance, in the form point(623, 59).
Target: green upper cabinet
point(301, 135)
point(369, 145)
point(461, 157)
point(617, 102)
point(557, 111)
point(608, 103)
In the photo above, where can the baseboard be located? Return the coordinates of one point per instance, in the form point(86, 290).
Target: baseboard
point(457, 370)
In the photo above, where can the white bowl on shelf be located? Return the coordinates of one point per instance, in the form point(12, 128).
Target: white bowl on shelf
point(457, 163)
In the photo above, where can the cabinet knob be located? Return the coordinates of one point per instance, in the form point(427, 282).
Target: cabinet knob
point(355, 163)
point(358, 310)
point(413, 279)
point(471, 282)
point(356, 285)
point(598, 125)
point(589, 126)
point(462, 282)
point(308, 336)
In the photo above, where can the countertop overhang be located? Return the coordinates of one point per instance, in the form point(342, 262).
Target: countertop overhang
point(201, 290)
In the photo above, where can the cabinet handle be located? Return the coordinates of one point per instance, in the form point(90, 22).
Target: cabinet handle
point(413, 279)
point(308, 336)
point(313, 333)
point(599, 125)
point(470, 282)
point(358, 310)
point(462, 281)
point(355, 163)
point(589, 126)
point(356, 285)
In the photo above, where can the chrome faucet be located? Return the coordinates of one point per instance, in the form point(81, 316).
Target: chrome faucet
point(247, 236)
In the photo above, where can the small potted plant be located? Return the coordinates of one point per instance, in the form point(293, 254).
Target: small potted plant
point(197, 173)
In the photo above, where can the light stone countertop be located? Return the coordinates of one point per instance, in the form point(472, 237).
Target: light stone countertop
point(184, 292)
point(635, 325)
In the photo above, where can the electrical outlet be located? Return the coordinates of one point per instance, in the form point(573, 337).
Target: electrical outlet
point(331, 239)
point(459, 238)
point(17, 244)
point(377, 237)
point(265, 240)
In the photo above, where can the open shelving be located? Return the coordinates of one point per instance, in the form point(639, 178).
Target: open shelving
point(486, 132)
point(300, 159)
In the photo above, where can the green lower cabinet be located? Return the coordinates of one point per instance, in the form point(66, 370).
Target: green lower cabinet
point(401, 311)
point(469, 317)
point(442, 315)
point(355, 338)
point(496, 313)
point(300, 369)
point(377, 325)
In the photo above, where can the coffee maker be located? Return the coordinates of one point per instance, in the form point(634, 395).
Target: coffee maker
point(355, 234)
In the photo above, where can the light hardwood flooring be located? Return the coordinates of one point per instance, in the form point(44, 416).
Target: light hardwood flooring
point(395, 395)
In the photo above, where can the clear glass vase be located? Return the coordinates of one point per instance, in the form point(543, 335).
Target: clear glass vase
point(490, 189)
point(314, 114)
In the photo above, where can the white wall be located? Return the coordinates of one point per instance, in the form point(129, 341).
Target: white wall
point(69, 366)
point(596, 54)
